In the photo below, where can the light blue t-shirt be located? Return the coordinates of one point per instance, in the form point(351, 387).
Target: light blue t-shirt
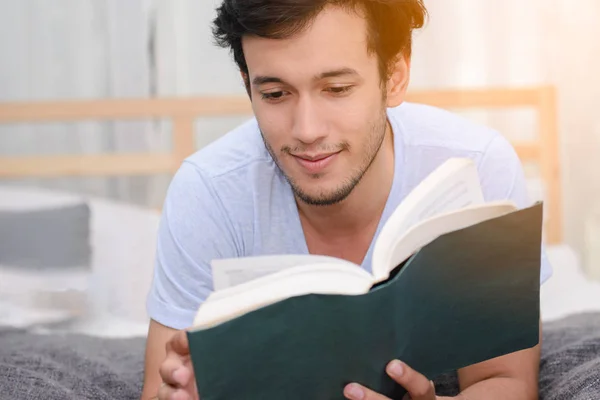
point(230, 200)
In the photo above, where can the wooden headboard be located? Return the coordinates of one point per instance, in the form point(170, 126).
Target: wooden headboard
point(183, 112)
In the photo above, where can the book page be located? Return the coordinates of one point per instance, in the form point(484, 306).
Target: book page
point(452, 186)
point(234, 271)
point(319, 278)
point(426, 231)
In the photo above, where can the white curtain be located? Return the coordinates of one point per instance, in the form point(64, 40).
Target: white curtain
point(112, 48)
point(472, 43)
point(189, 63)
point(77, 49)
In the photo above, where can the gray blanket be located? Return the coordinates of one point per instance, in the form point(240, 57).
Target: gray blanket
point(78, 367)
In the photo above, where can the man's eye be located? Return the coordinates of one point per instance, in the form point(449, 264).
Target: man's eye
point(339, 89)
point(273, 95)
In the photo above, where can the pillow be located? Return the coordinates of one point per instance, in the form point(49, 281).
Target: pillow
point(46, 238)
point(23, 198)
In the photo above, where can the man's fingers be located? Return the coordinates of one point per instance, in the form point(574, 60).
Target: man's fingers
point(179, 344)
point(167, 392)
point(174, 371)
point(354, 391)
point(417, 385)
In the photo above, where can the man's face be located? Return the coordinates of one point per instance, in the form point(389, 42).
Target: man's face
point(319, 102)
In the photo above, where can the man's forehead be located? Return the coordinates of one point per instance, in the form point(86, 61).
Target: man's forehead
point(313, 58)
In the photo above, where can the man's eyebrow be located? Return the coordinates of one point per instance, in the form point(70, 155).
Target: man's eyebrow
point(336, 72)
point(263, 79)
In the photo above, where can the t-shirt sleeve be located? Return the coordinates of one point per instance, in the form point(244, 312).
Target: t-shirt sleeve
point(502, 177)
point(193, 230)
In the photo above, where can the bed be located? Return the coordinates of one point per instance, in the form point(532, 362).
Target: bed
point(79, 333)
point(82, 295)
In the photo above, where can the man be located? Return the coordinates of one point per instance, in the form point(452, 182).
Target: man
point(332, 151)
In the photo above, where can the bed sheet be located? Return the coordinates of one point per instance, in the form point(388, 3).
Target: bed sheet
point(67, 366)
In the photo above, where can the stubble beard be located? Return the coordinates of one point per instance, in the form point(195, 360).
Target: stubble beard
point(377, 133)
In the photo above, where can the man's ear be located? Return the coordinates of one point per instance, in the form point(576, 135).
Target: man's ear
point(397, 83)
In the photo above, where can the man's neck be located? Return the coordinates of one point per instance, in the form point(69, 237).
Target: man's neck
point(363, 207)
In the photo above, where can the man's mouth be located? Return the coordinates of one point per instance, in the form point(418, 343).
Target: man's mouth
point(315, 163)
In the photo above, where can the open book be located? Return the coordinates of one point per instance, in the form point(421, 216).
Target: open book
point(449, 199)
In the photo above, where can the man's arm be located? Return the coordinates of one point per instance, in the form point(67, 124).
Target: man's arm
point(158, 336)
point(514, 376)
point(193, 231)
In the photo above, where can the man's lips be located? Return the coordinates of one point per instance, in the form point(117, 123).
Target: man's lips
point(314, 157)
point(315, 163)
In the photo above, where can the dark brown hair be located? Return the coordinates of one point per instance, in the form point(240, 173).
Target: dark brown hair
point(390, 23)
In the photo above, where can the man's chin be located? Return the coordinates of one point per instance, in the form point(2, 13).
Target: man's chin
point(322, 198)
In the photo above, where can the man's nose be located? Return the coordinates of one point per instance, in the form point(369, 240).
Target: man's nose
point(308, 124)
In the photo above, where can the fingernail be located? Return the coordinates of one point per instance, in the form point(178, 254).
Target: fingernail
point(396, 369)
point(354, 392)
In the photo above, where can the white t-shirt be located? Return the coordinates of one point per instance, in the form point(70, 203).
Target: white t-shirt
point(230, 200)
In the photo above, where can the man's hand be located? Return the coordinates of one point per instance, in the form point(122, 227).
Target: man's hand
point(417, 385)
point(177, 372)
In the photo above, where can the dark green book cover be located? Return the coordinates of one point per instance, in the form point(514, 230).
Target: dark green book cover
point(468, 296)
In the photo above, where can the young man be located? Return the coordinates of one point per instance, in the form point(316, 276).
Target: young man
point(332, 151)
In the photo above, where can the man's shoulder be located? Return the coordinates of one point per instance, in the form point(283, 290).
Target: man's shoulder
point(429, 136)
point(232, 152)
point(433, 128)
point(231, 191)
point(226, 176)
